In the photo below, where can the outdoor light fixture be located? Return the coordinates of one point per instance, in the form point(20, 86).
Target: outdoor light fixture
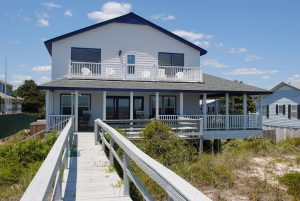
point(120, 53)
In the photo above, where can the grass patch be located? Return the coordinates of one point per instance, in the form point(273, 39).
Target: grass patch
point(19, 162)
point(292, 181)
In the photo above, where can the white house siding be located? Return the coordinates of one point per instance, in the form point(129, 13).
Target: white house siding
point(283, 96)
point(142, 40)
point(190, 100)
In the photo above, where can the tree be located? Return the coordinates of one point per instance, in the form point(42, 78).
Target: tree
point(34, 100)
point(238, 104)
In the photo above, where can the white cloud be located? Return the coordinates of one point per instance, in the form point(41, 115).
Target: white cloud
point(51, 5)
point(41, 69)
point(199, 39)
point(163, 16)
point(42, 20)
point(252, 58)
point(68, 13)
point(43, 79)
point(110, 10)
point(219, 45)
point(265, 77)
point(19, 79)
point(294, 78)
point(2, 76)
point(237, 50)
point(251, 71)
point(213, 63)
point(22, 65)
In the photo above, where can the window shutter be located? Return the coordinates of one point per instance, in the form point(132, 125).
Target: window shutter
point(289, 111)
point(276, 109)
point(268, 114)
point(283, 109)
point(298, 111)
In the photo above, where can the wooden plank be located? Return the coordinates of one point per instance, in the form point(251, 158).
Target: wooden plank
point(88, 178)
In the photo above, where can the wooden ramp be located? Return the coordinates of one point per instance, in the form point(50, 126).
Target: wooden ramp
point(88, 177)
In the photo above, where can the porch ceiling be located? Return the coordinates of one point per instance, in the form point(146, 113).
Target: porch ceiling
point(212, 84)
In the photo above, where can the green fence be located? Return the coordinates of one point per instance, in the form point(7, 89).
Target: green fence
point(12, 123)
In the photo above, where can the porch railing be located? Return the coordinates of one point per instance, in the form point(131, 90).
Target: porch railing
point(218, 122)
point(119, 71)
point(46, 184)
point(175, 186)
point(57, 122)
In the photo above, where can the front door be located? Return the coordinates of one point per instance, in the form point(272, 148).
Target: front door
point(117, 107)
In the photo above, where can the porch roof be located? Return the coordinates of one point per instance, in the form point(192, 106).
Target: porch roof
point(211, 84)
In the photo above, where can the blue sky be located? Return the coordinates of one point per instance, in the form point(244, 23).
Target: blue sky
point(255, 41)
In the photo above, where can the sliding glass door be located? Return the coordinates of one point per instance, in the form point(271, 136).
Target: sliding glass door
point(117, 107)
point(167, 105)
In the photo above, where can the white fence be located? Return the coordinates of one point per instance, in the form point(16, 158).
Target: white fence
point(118, 71)
point(218, 122)
point(46, 184)
point(57, 122)
point(176, 187)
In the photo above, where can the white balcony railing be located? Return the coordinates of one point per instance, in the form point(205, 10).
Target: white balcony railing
point(118, 71)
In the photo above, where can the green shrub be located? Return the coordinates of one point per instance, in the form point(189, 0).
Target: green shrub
point(289, 146)
point(292, 181)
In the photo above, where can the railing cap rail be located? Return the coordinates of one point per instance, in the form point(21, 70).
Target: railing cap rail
point(181, 186)
point(40, 186)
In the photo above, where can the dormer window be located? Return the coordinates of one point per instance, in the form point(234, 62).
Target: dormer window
point(86, 55)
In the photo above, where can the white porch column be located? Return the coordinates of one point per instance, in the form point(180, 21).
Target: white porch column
point(232, 104)
point(104, 105)
point(227, 111)
point(181, 103)
point(47, 109)
point(156, 105)
point(76, 111)
point(245, 110)
point(131, 105)
point(204, 110)
point(260, 111)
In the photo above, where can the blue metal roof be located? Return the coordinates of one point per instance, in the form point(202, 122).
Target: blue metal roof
point(130, 18)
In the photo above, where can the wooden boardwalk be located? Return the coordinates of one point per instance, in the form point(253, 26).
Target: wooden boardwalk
point(88, 177)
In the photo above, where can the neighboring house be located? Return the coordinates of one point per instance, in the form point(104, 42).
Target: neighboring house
point(8, 103)
point(129, 68)
point(282, 107)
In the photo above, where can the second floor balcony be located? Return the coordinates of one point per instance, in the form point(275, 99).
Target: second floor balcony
point(119, 71)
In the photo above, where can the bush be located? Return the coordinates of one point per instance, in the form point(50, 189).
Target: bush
point(289, 146)
point(20, 161)
point(292, 181)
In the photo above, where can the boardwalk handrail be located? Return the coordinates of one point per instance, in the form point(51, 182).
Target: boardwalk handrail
point(47, 180)
point(176, 187)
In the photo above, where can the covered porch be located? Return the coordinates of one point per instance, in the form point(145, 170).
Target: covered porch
point(189, 113)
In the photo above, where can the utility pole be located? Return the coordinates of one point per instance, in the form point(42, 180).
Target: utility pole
point(5, 101)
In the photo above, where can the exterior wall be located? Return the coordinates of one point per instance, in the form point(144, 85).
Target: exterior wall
point(283, 96)
point(141, 40)
point(190, 100)
point(277, 134)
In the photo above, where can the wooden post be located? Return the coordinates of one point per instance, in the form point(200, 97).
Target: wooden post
point(47, 109)
point(181, 103)
point(131, 105)
point(245, 110)
point(156, 105)
point(260, 111)
point(227, 111)
point(126, 166)
point(204, 110)
point(76, 111)
point(111, 155)
point(104, 106)
point(96, 132)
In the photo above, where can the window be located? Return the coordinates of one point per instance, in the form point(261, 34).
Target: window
point(84, 104)
point(294, 111)
point(167, 105)
point(276, 109)
point(138, 105)
point(266, 111)
point(280, 109)
point(86, 55)
point(298, 111)
point(283, 109)
point(130, 64)
point(170, 59)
